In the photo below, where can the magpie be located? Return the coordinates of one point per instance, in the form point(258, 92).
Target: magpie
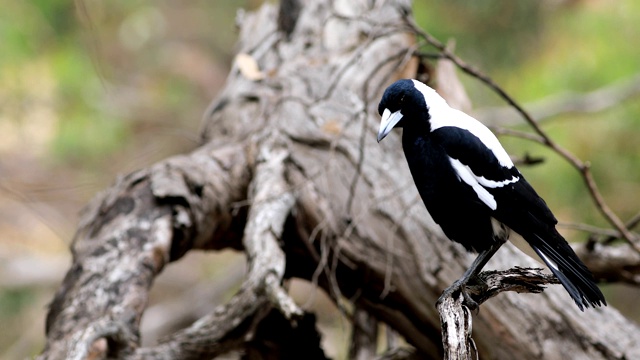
point(472, 189)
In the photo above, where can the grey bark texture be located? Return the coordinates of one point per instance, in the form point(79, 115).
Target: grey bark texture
point(290, 173)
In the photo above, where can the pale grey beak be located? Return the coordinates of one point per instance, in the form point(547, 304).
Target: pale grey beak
point(388, 121)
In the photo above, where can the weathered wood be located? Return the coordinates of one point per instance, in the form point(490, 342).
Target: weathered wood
point(129, 233)
point(456, 319)
point(456, 322)
point(364, 336)
point(291, 174)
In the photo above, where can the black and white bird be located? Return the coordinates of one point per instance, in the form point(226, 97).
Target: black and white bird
point(472, 189)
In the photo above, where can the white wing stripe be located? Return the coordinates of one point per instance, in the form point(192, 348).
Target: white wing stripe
point(493, 184)
point(466, 175)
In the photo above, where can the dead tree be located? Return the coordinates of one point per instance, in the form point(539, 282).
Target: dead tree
point(289, 172)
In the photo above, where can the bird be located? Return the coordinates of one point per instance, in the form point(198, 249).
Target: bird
point(473, 191)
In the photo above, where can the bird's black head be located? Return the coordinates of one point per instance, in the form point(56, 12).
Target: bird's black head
point(403, 101)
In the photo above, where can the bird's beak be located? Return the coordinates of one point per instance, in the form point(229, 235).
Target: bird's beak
point(388, 121)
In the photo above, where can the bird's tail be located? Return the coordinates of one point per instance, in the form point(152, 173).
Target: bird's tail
point(563, 262)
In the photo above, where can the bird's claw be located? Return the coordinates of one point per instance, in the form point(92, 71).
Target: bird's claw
point(455, 288)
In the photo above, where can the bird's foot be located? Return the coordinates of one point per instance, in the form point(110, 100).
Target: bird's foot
point(459, 286)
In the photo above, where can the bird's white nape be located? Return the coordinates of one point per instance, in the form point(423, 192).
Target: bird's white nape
point(437, 104)
point(443, 115)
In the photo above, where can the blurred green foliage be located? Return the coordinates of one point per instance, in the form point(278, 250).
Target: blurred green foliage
point(111, 69)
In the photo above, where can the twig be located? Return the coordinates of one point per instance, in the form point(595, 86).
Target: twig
point(582, 167)
point(591, 229)
point(632, 223)
point(594, 101)
point(615, 264)
point(622, 230)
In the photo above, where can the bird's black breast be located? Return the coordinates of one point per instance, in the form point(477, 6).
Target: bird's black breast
point(452, 204)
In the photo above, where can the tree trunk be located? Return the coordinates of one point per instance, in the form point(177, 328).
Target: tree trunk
point(290, 173)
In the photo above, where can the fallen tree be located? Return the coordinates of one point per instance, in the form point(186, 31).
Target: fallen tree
point(289, 172)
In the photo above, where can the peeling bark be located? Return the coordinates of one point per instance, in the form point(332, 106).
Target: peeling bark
point(289, 172)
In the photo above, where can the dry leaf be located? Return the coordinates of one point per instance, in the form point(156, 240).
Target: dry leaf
point(248, 67)
point(332, 127)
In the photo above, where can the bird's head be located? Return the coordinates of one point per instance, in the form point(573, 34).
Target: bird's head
point(405, 101)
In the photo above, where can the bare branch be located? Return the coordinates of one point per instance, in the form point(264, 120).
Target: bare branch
point(456, 322)
point(128, 235)
point(456, 318)
point(271, 205)
point(595, 101)
point(611, 263)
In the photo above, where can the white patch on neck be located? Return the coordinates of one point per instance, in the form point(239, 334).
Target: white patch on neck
point(443, 115)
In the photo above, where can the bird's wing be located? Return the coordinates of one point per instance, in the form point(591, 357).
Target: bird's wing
point(480, 161)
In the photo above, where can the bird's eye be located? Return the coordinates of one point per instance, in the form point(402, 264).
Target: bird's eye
point(402, 99)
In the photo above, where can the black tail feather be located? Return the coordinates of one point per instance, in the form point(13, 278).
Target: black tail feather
point(563, 262)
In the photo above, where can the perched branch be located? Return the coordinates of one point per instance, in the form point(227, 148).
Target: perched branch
point(455, 317)
point(456, 322)
point(520, 280)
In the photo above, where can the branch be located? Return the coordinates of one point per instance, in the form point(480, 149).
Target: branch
point(170, 315)
point(631, 224)
point(127, 236)
point(455, 318)
point(611, 263)
point(554, 105)
point(219, 332)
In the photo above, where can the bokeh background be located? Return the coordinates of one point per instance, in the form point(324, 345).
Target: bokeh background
point(92, 89)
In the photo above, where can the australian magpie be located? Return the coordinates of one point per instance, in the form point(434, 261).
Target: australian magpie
point(472, 189)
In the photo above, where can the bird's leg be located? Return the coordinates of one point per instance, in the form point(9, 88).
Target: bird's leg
point(475, 268)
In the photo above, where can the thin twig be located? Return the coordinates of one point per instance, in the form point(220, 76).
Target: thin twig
point(594, 101)
point(591, 229)
point(632, 223)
